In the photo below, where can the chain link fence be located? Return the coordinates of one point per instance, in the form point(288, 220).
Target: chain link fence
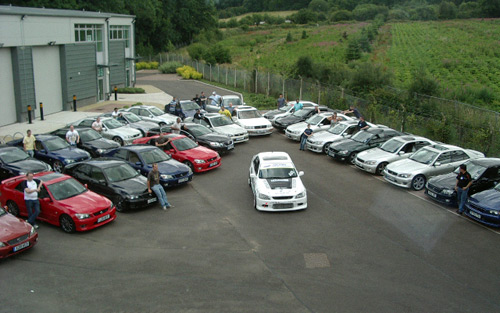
point(440, 119)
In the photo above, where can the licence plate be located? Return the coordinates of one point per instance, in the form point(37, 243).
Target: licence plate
point(182, 180)
point(432, 194)
point(475, 214)
point(151, 200)
point(103, 218)
point(231, 146)
point(213, 164)
point(21, 246)
point(390, 178)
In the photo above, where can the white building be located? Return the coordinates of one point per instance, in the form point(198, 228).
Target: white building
point(49, 55)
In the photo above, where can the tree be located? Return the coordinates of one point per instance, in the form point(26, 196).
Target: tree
point(304, 67)
point(423, 83)
point(341, 15)
point(447, 10)
point(490, 8)
point(367, 77)
point(289, 37)
point(304, 16)
point(353, 50)
point(304, 34)
point(318, 6)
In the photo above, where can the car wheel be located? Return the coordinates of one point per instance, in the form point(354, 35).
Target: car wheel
point(325, 147)
point(255, 202)
point(418, 182)
point(381, 168)
point(120, 205)
point(118, 140)
point(57, 166)
point(13, 208)
point(352, 158)
point(249, 182)
point(162, 124)
point(190, 165)
point(67, 223)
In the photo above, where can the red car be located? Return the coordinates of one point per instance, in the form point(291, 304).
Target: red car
point(16, 235)
point(185, 150)
point(63, 200)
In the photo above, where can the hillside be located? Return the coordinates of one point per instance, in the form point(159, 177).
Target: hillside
point(271, 13)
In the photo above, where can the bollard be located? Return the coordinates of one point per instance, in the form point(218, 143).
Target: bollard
point(41, 111)
point(74, 103)
point(116, 94)
point(29, 114)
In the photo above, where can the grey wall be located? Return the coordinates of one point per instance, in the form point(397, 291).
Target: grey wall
point(78, 74)
point(117, 57)
point(24, 83)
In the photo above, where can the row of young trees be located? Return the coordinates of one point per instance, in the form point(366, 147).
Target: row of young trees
point(160, 24)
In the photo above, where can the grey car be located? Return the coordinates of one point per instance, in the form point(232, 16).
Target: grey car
point(112, 129)
point(134, 121)
point(151, 113)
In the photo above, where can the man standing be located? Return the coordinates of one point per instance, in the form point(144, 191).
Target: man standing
point(177, 126)
point(298, 105)
point(225, 112)
point(231, 109)
point(203, 100)
point(72, 136)
point(462, 185)
point(353, 110)
point(97, 125)
point(154, 184)
point(197, 100)
point(29, 143)
point(362, 125)
point(281, 101)
point(170, 108)
point(306, 134)
point(31, 191)
point(215, 98)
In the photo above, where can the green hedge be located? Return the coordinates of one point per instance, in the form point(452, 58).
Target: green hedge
point(131, 90)
point(146, 65)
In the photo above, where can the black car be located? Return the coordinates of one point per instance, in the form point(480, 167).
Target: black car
point(485, 173)
point(283, 122)
point(14, 162)
point(347, 149)
point(90, 141)
point(114, 179)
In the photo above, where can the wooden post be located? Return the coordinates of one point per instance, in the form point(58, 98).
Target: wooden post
point(300, 94)
point(268, 82)
point(256, 78)
point(235, 78)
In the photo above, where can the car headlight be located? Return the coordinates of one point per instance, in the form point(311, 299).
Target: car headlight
point(404, 175)
point(166, 176)
point(69, 161)
point(2, 244)
point(263, 196)
point(197, 161)
point(370, 162)
point(22, 173)
point(344, 152)
point(216, 144)
point(82, 216)
point(447, 192)
point(133, 197)
point(494, 212)
point(100, 151)
point(32, 231)
point(301, 195)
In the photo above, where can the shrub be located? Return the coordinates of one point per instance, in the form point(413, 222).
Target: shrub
point(304, 16)
point(136, 104)
point(318, 5)
point(221, 54)
point(146, 65)
point(188, 72)
point(368, 76)
point(304, 34)
point(447, 10)
point(353, 51)
point(130, 90)
point(423, 83)
point(196, 51)
point(469, 10)
point(305, 67)
point(398, 15)
point(364, 12)
point(170, 67)
point(289, 37)
point(341, 15)
point(232, 23)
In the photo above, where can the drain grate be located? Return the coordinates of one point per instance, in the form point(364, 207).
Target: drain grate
point(316, 260)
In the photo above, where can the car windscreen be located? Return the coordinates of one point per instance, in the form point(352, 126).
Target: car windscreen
point(13, 155)
point(277, 172)
point(220, 121)
point(362, 136)
point(424, 156)
point(200, 130)
point(112, 124)
point(89, 135)
point(189, 105)
point(475, 170)
point(285, 108)
point(184, 144)
point(301, 113)
point(156, 112)
point(120, 172)
point(132, 118)
point(155, 156)
point(314, 120)
point(55, 144)
point(248, 114)
point(66, 189)
point(234, 101)
point(337, 129)
point(392, 145)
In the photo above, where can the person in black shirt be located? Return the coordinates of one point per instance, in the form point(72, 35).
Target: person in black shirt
point(197, 100)
point(198, 115)
point(464, 181)
point(354, 111)
point(362, 125)
point(303, 138)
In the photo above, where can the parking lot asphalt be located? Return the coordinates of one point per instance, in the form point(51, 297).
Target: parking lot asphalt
point(362, 245)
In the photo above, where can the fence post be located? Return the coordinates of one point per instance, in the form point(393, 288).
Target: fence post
point(161, 62)
point(41, 111)
point(218, 73)
point(235, 78)
point(29, 114)
point(300, 93)
point(283, 92)
point(203, 71)
point(244, 81)
point(256, 78)
point(226, 75)
point(210, 72)
point(319, 93)
point(268, 83)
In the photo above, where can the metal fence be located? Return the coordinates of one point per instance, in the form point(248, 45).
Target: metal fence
point(440, 119)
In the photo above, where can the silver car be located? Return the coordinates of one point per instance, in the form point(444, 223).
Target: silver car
point(286, 110)
point(429, 161)
point(151, 113)
point(318, 122)
point(319, 142)
point(134, 121)
point(375, 160)
point(112, 129)
point(225, 100)
point(223, 125)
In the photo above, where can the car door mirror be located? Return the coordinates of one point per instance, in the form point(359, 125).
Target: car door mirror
point(86, 186)
point(42, 151)
point(301, 173)
point(401, 152)
point(437, 164)
point(138, 163)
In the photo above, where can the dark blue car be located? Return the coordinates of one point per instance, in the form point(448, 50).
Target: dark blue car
point(15, 162)
point(484, 207)
point(142, 157)
point(55, 151)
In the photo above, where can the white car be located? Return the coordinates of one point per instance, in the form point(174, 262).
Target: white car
point(427, 162)
point(250, 119)
point(318, 122)
point(151, 113)
point(112, 129)
point(275, 183)
point(286, 110)
point(223, 125)
point(375, 160)
point(225, 100)
point(319, 142)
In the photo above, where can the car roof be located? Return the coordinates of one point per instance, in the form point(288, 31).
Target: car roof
point(44, 137)
point(274, 156)
point(51, 177)
point(303, 102)
point(486, 162)
point(231, 96)
point(246, 108)
point(442, 147)
point(209, 115)
point(141, 147)
point(104, 162)
point(7, 147)
point(174, 136)
point(408, 138)
point(78, 129)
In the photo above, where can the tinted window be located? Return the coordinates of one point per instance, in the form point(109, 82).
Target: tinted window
point(83, 169)
point(121, 154)
point(133, 157)
point(458, 156)
point(96, 173)
point(86, 123)
point(66, 189)
point(444, 158)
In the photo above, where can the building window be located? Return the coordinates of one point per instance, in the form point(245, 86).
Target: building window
point(120, 32)
point(89, 33)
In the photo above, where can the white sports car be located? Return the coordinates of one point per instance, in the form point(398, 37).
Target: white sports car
point(275, 183)
point(250, 119)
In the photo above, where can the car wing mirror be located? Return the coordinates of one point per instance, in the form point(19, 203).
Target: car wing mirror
point(401, 152)
point(138, 163)
point(301, 173)
point(437, 164)
point(86, 186)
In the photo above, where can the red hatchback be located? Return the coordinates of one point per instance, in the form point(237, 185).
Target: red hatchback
point(63, 200)
point(181, 148)
point(16, 235)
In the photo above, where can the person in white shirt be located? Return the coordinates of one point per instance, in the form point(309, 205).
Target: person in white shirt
point(31, 190)
point(72, 136)
point(115, 113)
point(176, 127)
point(97, 125)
